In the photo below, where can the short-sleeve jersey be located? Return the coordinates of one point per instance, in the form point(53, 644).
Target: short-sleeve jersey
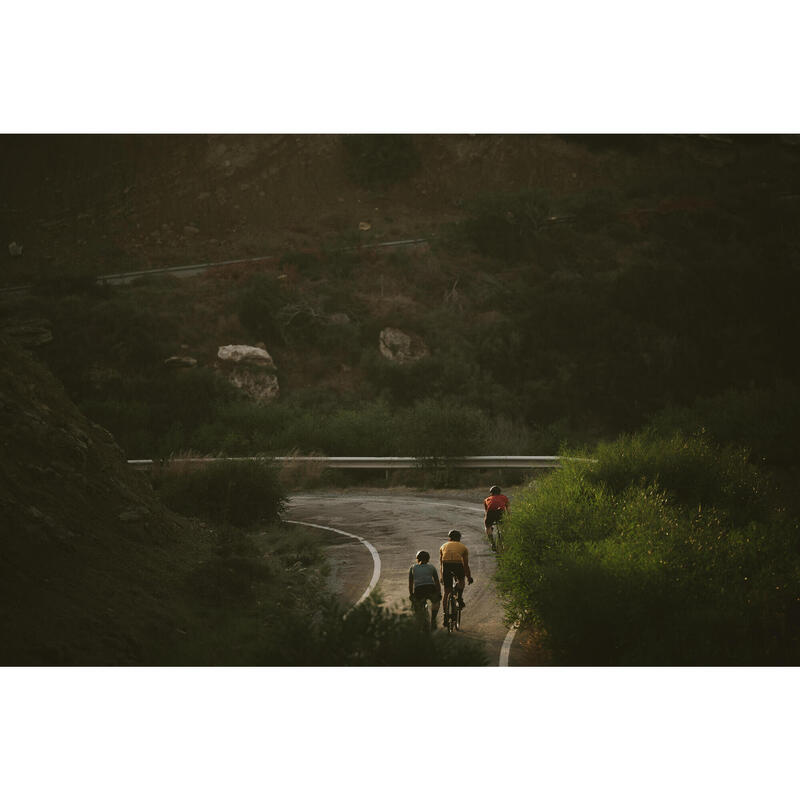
point(424, 575)
point(453, 551)
point(495, 502)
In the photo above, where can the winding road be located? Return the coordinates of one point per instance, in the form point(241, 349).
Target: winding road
point(392, 528)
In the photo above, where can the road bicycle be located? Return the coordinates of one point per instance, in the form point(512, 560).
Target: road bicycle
point(452, 611)
point(498, 536)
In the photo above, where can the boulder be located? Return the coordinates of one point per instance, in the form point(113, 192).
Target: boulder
point(259, 386)
point(398, 346)
point(245, 354)
point(250, 369)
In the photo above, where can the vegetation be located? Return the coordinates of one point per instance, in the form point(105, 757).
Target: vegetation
point(666, 551)
point(579, 290)
point(261, 597)
point(240, 493)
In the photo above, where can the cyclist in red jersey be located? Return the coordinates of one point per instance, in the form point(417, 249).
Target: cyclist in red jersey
point(495, 505)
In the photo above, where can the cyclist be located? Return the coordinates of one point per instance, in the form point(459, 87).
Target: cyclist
point(495, 505)
point(423, 585)
point(454, 561)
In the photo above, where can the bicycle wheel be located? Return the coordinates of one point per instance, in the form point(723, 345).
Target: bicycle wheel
point(452, 612)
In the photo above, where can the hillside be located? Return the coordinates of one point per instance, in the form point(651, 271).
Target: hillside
point(571, 287)
point(92, 565)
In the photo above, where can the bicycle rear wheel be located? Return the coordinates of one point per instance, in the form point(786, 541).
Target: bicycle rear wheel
point(452, 612)
point(498, 537)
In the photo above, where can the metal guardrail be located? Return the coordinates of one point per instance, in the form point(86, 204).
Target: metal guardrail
point(368, 462)
point(128, 277)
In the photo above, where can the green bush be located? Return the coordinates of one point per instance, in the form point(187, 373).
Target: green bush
point(664, 552)
point(371, 635)
point(240, 493)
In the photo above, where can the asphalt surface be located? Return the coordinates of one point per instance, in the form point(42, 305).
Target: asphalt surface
point(398, 526)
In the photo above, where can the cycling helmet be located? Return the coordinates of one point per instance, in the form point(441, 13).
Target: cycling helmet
point(455, 535)
point(494, 490)
point(424, 556)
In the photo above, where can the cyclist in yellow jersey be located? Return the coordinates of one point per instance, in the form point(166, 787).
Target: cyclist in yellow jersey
point(454, 560)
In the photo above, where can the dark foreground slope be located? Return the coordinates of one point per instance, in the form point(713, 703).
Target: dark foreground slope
point(91, 565)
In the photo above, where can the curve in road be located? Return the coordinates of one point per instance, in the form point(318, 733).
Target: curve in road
point(376, 559)
point(399, 526)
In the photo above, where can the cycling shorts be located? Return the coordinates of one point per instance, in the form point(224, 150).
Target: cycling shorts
point(423, 593)
point(494, 515)
point(454, 568)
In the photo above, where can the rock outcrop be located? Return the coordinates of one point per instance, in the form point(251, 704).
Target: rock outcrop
point(398, 346)
point(250, 369)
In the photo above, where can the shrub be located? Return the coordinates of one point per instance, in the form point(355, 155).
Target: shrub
point(665, 552)
point(241, 493)
point(372, 635)
point(435, 429)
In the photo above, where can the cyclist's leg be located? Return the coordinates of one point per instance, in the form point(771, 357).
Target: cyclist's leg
point(459, 588)
point(447, 588)
point(435, 602)
point(488, 525)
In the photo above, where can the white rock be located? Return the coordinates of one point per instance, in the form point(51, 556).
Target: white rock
point(250, 369)
point(243, 353)
point(259, 386)
point(398, 346)
point(15, 249)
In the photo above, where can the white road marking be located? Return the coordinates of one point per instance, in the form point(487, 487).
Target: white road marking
point(505, 650)
point(376, 559)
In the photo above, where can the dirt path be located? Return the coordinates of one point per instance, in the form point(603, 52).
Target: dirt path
point(398, 526)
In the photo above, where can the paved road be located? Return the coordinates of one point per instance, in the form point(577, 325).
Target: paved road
point(398, 526)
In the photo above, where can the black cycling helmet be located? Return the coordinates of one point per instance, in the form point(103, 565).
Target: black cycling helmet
point(494, 490)
point(424, 556)
point(455, 535)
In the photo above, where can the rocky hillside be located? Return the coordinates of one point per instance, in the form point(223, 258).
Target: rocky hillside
point(92, 564)
point(100, 204)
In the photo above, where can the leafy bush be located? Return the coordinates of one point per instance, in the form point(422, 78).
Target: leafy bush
point(664, 552)
point(372, 635)
point(241, 493)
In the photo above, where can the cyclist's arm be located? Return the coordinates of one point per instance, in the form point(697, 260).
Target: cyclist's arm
point(411, 581)
point(465, 559)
